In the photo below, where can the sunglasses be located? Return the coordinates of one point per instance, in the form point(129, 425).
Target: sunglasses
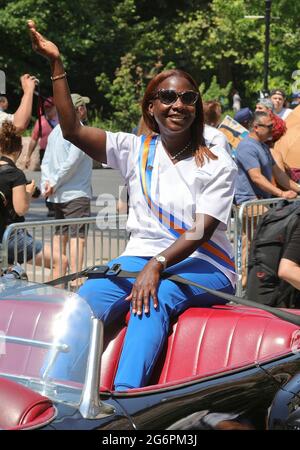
point(270, 126)
point(169, 96)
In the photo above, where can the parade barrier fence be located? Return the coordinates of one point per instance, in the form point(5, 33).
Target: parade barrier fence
point(248, 215)
point(106, 238)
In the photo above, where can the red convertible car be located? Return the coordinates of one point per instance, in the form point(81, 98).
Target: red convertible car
point(226, 367)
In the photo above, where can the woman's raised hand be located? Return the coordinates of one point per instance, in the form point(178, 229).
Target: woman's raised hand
point(41, 45)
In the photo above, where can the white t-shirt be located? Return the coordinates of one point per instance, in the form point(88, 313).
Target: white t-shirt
point(5, 116)
point(284, 113)
point(213, 136)
point(183, 190)
point(67, 168)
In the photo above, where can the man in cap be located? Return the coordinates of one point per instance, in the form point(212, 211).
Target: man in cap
point(278, 98)
point(42, 128)
point(244, 117)
point(66, 182)
point(295, 100)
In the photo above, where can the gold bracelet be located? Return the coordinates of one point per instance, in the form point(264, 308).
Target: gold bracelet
point(58, 77)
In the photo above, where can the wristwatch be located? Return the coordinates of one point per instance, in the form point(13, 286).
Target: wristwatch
point(162, 260)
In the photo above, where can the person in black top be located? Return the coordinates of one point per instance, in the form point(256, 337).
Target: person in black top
point(289, 266)
point(15, 197)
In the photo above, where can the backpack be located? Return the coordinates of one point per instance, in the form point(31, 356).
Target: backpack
point(271, 237)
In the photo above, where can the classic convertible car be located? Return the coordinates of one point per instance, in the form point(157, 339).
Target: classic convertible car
point(226, 367)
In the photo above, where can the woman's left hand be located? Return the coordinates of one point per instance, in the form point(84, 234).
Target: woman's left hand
point(42, 45)
point(145, 286)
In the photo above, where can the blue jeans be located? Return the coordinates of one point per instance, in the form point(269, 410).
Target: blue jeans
point(146, 334)
point(25, 246)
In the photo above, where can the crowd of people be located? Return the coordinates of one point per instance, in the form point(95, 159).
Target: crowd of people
point(182, 151)
point(65, 181)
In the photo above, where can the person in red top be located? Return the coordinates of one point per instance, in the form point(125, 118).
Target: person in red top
point(41, 130)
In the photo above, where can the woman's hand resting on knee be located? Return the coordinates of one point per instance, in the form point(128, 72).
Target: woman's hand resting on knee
point(145, 286)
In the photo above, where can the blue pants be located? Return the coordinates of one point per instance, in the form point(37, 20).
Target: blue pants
point(147, 333)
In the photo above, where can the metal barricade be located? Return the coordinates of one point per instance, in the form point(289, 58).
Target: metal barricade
point(104, 238)
point(247, 218)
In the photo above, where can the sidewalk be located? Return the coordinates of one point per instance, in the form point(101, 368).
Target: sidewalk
point(104, 181)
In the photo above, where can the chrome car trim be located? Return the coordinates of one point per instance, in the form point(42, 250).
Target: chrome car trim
point(91, 406)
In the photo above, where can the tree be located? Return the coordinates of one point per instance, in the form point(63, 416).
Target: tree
point(123, 43)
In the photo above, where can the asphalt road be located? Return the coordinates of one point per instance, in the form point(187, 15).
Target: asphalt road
point(104, 181)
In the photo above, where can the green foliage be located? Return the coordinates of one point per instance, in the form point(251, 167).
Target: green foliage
point(124, 93)
point(111, 48)
point(216, 92)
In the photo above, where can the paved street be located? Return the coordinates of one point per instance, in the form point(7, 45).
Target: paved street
point(104, 181)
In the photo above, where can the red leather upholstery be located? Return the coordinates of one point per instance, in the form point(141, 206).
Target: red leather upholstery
point(203, 341)
point(26, 319)
point(113, 343)
point(23, 408)
point(206, 341)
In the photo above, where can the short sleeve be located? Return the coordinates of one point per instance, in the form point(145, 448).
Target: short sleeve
point(18, 178)
point(247, 157)
point(292, 250)
point(119, 148)
point(215, 191)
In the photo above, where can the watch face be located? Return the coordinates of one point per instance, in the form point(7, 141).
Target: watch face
point(161, 259)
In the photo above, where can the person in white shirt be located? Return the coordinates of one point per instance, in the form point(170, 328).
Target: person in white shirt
point(213, 137)
point(66, 174)
point(278, 98)
point(180, 195)
point(212, 111)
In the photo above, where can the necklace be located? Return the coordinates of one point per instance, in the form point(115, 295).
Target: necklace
point(181, 151)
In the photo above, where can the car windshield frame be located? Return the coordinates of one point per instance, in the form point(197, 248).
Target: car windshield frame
point(34, 328)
